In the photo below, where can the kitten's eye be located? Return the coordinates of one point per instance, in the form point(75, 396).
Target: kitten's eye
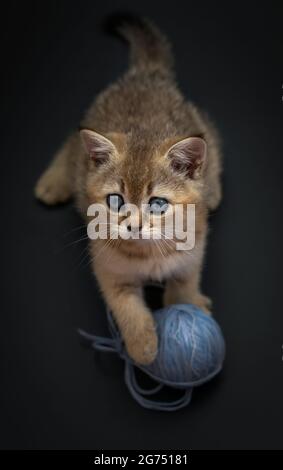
point(114, 202)
point(158, 205)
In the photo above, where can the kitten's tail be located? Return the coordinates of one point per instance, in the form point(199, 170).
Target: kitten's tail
point(149, 48)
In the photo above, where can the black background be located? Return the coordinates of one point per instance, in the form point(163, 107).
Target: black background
point(54, 395)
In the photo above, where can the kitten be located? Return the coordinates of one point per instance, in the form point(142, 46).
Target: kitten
point(141, 141)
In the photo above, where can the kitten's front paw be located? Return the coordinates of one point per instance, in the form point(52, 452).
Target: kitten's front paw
point(203, 302)
point(143, 347)
point(174, 297)
point(52, 187)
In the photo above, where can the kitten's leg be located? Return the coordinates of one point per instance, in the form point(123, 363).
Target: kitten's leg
point(213, 182)
point(133, 318)
point(56, 184)
point(186, 290)
point(215, 195)
point(215, 191)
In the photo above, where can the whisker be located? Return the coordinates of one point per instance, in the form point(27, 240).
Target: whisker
point(83, 256)
point(71, 244)
point(80, 227)
point(108, 242)
point(159, 248)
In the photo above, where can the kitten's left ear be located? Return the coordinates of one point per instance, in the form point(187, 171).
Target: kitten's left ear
point(99, 148)
point(188, 156)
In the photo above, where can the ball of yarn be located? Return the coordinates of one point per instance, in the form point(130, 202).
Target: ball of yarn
point(191, 351)
point(191, 346)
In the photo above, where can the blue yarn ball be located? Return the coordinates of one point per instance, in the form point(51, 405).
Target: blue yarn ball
point(191, 346)
point(191, 351)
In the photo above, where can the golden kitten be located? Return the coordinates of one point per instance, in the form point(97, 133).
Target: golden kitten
point(141, 141)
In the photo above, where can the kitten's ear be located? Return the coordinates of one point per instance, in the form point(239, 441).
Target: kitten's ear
point(98, 147)
point(188, 156)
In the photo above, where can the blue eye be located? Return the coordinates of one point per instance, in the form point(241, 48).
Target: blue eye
point(114, 202)
point(158, 205)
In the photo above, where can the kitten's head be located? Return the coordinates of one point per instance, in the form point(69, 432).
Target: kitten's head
point(153, 175)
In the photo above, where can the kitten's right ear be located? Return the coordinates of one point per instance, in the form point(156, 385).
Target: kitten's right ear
point(98, 147)
point(188, 156)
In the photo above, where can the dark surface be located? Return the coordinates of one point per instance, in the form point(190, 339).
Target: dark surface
point(53, 393)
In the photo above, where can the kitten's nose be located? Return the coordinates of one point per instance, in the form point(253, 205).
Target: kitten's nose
point(134, 228)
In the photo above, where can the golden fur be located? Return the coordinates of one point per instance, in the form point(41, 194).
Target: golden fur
point(132, 130)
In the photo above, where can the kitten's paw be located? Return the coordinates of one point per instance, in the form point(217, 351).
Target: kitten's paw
point(203, 302)
point(143, 348)
point(52, 187)
point(214, 198)
point(200, 300)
